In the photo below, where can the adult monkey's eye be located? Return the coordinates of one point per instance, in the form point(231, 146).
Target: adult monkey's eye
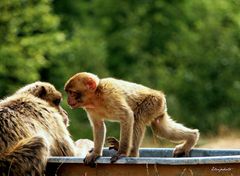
point(57, 101)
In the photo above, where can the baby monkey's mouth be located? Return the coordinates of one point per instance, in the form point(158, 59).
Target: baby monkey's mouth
point(73, 105)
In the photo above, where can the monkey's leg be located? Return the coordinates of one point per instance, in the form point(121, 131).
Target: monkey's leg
point(99, 132)
point(138, 135)
point(126, 125)
point(28, 157)
point(165, 127)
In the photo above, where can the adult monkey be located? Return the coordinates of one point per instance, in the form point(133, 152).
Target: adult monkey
point(33, 127)
point(134, 105)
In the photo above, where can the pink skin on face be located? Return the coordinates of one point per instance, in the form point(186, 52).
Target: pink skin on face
point(72, 102)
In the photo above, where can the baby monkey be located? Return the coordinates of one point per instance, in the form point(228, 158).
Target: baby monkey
point(134, 106)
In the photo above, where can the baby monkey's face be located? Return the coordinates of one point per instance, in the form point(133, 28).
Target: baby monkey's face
point(80, 90)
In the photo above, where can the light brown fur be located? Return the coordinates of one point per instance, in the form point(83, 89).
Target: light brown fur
point(47, 92)
point(134, 105)
point(33, 127)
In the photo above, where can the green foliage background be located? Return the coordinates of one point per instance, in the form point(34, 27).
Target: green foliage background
point(188, 49)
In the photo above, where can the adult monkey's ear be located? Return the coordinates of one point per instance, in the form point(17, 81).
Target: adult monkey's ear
point(42, 92)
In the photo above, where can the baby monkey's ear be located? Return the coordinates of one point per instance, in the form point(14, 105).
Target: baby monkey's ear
point(91, 83)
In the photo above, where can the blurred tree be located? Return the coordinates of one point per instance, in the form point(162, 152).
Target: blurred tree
point(29, 35)
point(34, 48)
point(202, 59)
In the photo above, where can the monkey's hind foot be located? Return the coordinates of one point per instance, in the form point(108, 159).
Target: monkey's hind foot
point(117, 157)
point(179, 151)
point(113, 143)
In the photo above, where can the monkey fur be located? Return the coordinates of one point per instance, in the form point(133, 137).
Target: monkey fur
point(33, 127)
point(134, 106)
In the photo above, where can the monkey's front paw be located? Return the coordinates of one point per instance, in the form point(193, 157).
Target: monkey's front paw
point(91, 158)
point(179, 151)
point(117, 157)
point(113, 143)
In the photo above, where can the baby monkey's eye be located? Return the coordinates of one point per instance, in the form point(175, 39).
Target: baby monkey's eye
point(78, 95)
point(57, 101)
point(72, 92)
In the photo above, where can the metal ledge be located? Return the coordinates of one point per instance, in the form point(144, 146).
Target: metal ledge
point(163, 156)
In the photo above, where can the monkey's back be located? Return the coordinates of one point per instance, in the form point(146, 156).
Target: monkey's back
point(133, 93)
point(125, 87)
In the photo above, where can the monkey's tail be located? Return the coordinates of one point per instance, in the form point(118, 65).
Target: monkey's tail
point(28, 157)
point(165, 127)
